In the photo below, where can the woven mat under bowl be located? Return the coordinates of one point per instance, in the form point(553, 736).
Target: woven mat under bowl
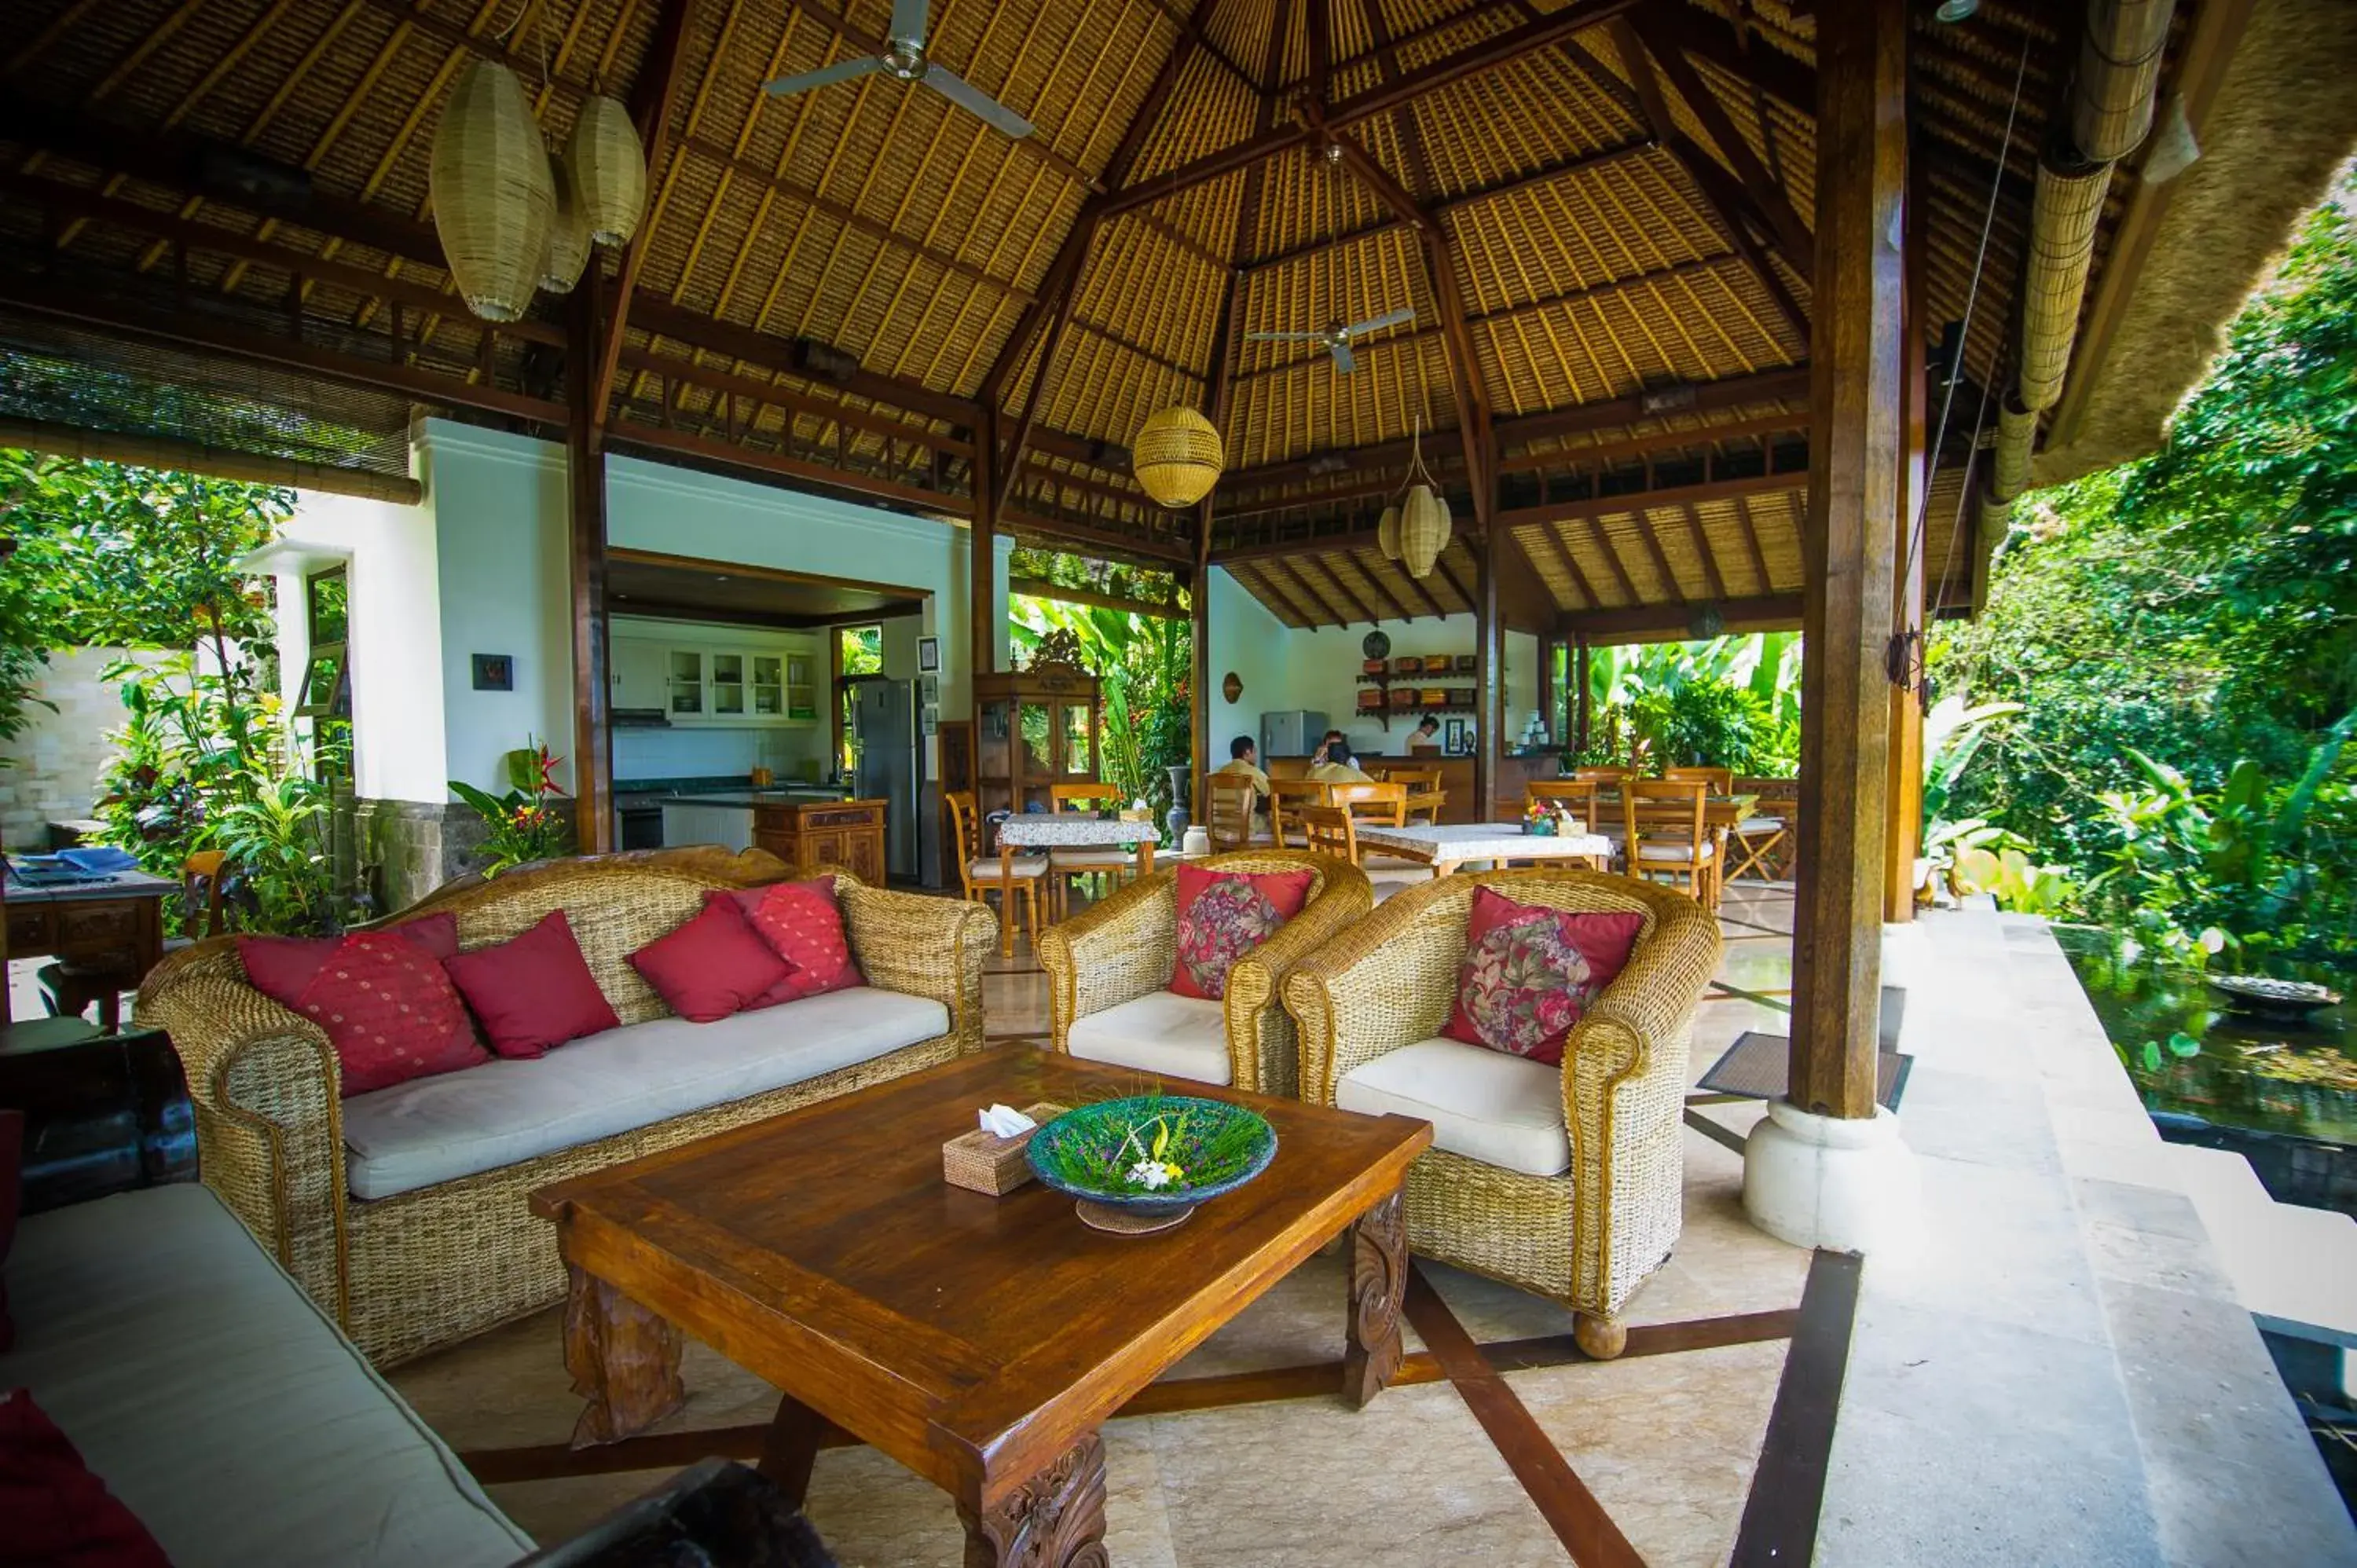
point(1758, 1066)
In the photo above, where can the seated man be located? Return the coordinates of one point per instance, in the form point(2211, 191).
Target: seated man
point(1244, 762)
point(1332, 763)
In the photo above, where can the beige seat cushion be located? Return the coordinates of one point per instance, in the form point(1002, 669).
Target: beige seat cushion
point(207, 1392)
point(432, 1130)
point(1161, 1033)
point(1672, 853)
point(1486, 1105)
point(988, 870)
point(1750, 825)
point(1091, 860)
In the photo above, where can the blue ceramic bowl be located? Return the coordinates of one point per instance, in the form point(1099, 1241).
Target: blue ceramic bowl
point(1101, 1126)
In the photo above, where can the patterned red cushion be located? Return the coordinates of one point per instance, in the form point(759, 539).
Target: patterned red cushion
point(1223, 915)
point(57, 1511)
point(11, 1152)
point(1532, 973)
point(803, 924)
point(533, 991)
point(380, 996)
point(712, 966)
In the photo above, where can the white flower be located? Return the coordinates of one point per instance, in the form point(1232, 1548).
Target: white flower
point(1150, 1174)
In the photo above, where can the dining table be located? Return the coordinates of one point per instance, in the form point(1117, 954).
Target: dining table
point(1445, 846)
point(1071, 830)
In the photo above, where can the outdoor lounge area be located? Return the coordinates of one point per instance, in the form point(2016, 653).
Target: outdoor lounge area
point(913, 782)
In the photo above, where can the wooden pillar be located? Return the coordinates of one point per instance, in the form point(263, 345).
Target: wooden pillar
point(1198, 687)
point(982, 569)
point(1490, 654)
point(1903, 781)
point(1855, 412)
point(1580, 714)
point(1548, 714)
point(584, 469)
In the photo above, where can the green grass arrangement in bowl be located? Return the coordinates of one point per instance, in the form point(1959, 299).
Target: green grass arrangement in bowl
point(1150, 1159)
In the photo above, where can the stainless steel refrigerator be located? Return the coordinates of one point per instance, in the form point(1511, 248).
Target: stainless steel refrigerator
point(891, 751)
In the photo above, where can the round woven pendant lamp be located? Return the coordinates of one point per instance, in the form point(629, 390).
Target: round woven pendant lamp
point(568, 234)
point(610, 166)
point(1387, 532)
point(494, 199)
point(1176, 456)
point(1424, 530)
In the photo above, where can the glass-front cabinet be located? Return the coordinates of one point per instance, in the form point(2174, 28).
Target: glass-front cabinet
point(769, 686)
point(1036, 727)
point(683, 682)
point(728, 685)
point(733, 679)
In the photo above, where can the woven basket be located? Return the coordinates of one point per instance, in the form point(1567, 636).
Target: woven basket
point(1424, 530)
point(1387, 532)
point(494, 199)
point(1176, 456)
point(609, 165)
point(568, 234)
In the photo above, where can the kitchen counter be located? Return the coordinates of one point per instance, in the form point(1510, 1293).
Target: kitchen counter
point(749, 797)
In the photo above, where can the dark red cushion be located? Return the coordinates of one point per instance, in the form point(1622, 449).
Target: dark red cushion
point(57, 1513)
point(533, 991)
point(803, 924)
point(381, 997)
point(1531, 974)
point(1223, 915)
point(12, 1166)
point(714, 965)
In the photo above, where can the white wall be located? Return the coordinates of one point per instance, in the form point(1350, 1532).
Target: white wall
point(1286, 666)
point(53, 763)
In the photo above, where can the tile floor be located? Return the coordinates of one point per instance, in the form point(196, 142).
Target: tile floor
point(1666, 1443)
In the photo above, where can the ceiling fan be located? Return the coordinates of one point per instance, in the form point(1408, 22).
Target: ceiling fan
point(904, 56)
point(1338, 337)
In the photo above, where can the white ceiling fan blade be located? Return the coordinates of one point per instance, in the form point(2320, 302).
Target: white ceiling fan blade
point(1287, 336)
point(909, 20)
point(1395, 318)
point(973, 99)
point(1344, 360)
point(824, 76)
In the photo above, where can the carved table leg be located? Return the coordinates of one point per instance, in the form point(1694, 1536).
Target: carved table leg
point(795, 1434)
point(1378, 1285)
point(624, 1360)
point(1055, 1520)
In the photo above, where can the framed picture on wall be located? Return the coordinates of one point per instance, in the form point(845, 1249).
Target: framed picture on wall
point(933, 719)
point(1458, 738)
point(932, 689)
point(929, 655)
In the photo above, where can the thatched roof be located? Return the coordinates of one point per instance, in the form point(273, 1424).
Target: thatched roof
point(1599, 212)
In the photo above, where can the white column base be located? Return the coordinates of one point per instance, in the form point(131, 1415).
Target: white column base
point(1822, 1181)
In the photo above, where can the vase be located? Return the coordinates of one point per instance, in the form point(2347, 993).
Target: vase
point(1174, 824)
point(1180, 773)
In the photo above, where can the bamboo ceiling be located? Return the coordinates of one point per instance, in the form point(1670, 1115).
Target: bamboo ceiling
point(1614, 210)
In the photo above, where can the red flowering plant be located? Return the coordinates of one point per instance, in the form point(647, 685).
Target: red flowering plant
point(525, 825)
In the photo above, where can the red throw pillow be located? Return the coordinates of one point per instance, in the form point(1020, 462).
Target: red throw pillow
point(1532, 973)
point(803, 924)
point(57, 1512)
point(1223, 915)
point(12, 1166)
point(380, 996)
point(712, 966)
point(533, 991)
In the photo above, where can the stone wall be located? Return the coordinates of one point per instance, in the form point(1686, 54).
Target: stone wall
point(403, 850)
point(52, 766)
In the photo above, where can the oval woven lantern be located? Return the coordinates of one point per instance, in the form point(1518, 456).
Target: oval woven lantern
point(609, 165)
point(568, 234)
point(1424, 530)
point(493, 197)
point(1176, 456)
point(1387, 532)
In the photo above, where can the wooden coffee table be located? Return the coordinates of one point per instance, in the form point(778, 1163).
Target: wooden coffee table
point(980, 1341)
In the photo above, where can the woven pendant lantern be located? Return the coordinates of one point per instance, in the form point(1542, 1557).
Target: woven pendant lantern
point(609, 163)
point(568, 234)
point(494, 199)
point(1176, 456)
point(1422, 531)
point(1387, 532)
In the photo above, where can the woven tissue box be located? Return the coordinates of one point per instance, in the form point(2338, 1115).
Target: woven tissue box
point(986, 1163)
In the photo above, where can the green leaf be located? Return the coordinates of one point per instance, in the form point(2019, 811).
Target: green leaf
point(2184, 1044)
point(2152, 1056)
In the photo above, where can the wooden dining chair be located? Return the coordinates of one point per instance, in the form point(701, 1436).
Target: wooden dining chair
point(1228, 802)
point(981, 874)
point(1285, 795)
point(1580, 797)
point(1426, 796)
point(1064, 865)
point(1606, 775)
point(1720, 779)
point(1668, 837)
point(1383, 805)
point(1328, 830)
point(1761, 843)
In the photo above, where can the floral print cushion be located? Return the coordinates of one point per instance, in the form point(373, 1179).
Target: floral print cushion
point(1223, 915)
point(1532, 973)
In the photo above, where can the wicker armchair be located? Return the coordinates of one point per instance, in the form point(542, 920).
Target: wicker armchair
point(420, 1269)
point(1589, 1234)
point(1120, 955)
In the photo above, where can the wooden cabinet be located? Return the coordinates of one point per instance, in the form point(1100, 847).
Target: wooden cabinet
point(746, 680)
point(817, 837)
point(1035, 727)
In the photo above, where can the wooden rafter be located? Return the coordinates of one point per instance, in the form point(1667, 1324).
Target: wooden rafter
point(1668, 495)
point(653, 97)
point(1604, 454)
point(1663, 38)
point(1601, 540)
point(1278, 569)
point(1704, 553)
point(1751, 546)
point(1431, 605)
point(1328, 577)
point(1448, 575)
point(1671, 586)
point(1562, 558)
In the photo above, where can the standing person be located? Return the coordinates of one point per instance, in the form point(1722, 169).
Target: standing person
point(1427, 737)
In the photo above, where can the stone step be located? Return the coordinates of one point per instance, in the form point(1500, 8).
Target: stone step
point(2293, 1269)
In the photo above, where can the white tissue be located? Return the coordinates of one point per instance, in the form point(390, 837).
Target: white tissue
point(1006, 1121)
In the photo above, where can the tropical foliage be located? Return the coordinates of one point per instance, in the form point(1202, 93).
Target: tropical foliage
point(2168, 657)
point(1143, 662)
point(1732, 702)
point(522, 824)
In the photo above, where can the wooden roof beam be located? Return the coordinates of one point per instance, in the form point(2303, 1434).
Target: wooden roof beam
point(653, 97)
point(1431, 605)
point(1448, 575)
point(1710, 572)
point(1669, 495)
point(1328, 578)
point(1324, 606)
point(1674, 622)
point(1185, 21)
point(1752, 545)
point(1099, 539)
point(1731, 391)
point(1562, 559)
point(1273, 598)
point(1603, 453)
point(1755, 63)
point(1764, 191)
point(1611, 553)
point(653, 313)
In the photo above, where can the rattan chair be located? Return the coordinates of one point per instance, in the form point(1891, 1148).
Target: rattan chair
point(1114, 865)
point(980, 873)
point(1109, 976)
point(1667, 826)
point(1592, 1206)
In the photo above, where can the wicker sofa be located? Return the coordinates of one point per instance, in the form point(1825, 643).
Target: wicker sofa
point(416, 1245)
point(1564, 1182)
point(1109, 970)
